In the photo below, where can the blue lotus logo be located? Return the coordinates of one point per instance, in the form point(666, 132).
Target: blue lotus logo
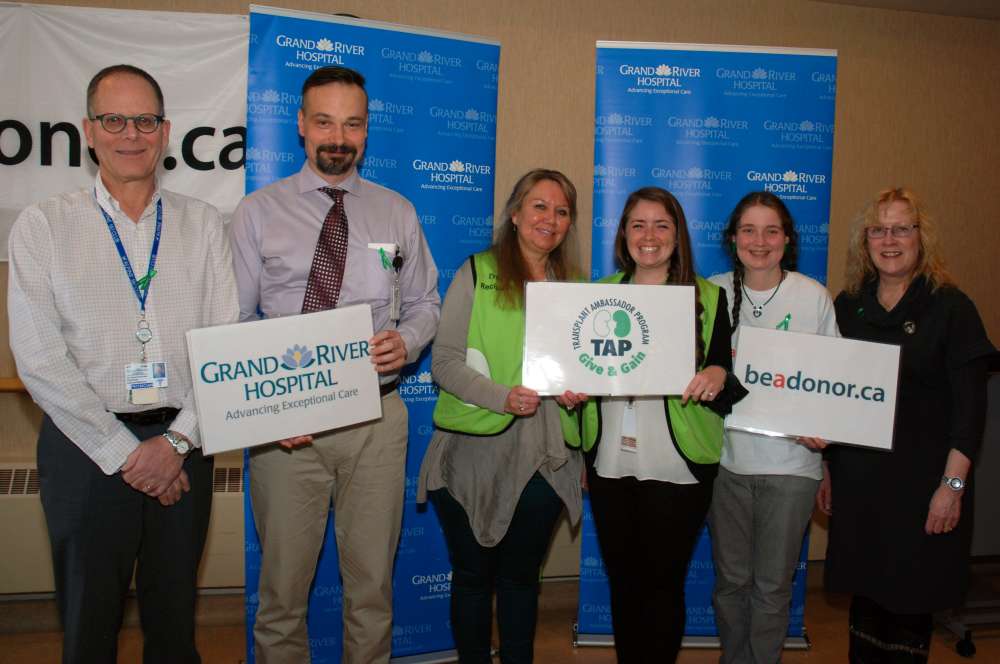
point(297, 357)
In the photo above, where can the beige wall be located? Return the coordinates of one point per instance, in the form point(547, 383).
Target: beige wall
point(917, 104)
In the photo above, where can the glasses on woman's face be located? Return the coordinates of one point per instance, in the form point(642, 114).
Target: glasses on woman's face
point(115, 123)
point(898, 231)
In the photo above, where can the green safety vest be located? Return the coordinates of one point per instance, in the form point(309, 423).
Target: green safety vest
point(697, 430)
point(496, 344)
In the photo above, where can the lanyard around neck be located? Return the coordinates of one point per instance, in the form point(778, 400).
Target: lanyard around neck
point(139, 286)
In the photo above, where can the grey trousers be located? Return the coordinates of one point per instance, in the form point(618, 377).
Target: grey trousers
point(757, 524)
point(362, 468)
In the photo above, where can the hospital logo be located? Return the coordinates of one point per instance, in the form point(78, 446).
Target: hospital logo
point(273, 103)
point(788, 181)
point(611, 178)
point(432, 585)
point(658, 79)
point(420, 63)
point(801, 134)
point(694, 180)
point(454, 175)
point(620, 127)
point(407, 636)
point(374, 168)
point(464, 122)
point(319, 52)
point(285, 374)
point(758, 79)
point(473, 226)
point(708, 130)
point(813, 237)
point(826, 83)
point(418, 387)
point(383, 115)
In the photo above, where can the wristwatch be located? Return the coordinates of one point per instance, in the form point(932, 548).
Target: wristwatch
point(181, 445)
point(953, 483)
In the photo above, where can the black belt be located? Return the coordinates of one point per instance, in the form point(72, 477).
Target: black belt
point(386, 388)
point(157, 416)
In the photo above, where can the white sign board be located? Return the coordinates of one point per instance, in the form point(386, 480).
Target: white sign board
point(49, 53)
point(608, 339)
point(842, 390)
point(263, 381)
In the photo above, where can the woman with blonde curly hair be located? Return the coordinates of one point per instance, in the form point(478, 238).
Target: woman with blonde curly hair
point(900, 525)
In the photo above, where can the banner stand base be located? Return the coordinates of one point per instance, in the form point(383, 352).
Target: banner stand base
point(701, 642)
point(427, 658)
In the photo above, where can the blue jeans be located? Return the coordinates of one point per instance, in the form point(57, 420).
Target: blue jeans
point(511, 568)
point(757, 524)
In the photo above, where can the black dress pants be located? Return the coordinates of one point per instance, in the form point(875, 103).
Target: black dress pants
point(647, 531)
point(101, 529)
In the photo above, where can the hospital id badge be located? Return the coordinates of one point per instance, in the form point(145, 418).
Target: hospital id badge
point(143, 380)
point(629, 442)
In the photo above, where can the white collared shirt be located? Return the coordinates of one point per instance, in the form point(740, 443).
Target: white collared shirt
point(73, 313)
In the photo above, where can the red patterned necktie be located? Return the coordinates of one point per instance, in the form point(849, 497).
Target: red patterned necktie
point(327, 270)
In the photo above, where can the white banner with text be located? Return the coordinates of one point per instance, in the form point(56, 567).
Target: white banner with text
point(266, 380)
point(608, 339)
point(842, 390)
point(49, 53)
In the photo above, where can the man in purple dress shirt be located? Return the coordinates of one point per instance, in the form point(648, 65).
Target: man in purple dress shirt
point(274, 238)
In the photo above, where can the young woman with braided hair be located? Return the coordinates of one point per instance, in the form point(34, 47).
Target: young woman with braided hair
point(763, 497)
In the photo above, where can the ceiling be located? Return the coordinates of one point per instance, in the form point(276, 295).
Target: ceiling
point(989, 9)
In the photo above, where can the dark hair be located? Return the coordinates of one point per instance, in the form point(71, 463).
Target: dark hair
point(113, 70)
point(789, 259)
point(512, 271)
point(333, 74)
point(681, 269)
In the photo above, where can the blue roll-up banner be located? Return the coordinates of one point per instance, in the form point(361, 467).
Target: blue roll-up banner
point(709, 124)
point(431, 137)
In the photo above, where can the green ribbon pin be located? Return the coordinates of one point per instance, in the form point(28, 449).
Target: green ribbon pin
point(144, 282)
point(386, 261)
point(783, 325)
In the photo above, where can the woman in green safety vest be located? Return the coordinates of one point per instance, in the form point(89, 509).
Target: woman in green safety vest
point(497, 469)
point(651, 461)
point(763, 496)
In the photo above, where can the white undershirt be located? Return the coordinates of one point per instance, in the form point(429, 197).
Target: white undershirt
point(655, 456)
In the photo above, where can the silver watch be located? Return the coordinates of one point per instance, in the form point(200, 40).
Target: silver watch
point(180, 445)
point(953, 483)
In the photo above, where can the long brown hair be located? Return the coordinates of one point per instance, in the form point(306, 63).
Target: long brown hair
point(681, 269)
point(930, 262)
point(512, 269)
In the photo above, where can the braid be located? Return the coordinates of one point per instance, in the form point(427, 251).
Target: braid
point(737, 293)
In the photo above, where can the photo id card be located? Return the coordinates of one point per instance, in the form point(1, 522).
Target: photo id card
point(141, 375)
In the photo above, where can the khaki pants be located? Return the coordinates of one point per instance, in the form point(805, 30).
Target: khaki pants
point(362, 468)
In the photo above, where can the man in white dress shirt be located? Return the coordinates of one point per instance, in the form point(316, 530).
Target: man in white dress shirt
point(283, 236)
point(104, 283)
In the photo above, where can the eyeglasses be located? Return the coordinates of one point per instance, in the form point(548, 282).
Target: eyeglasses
point(897, 231)
point(115, 123)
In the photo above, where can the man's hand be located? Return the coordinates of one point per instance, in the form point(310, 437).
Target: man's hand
point(295, 441)
point(388, 351)
point(152, 467)
point(175, 490)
